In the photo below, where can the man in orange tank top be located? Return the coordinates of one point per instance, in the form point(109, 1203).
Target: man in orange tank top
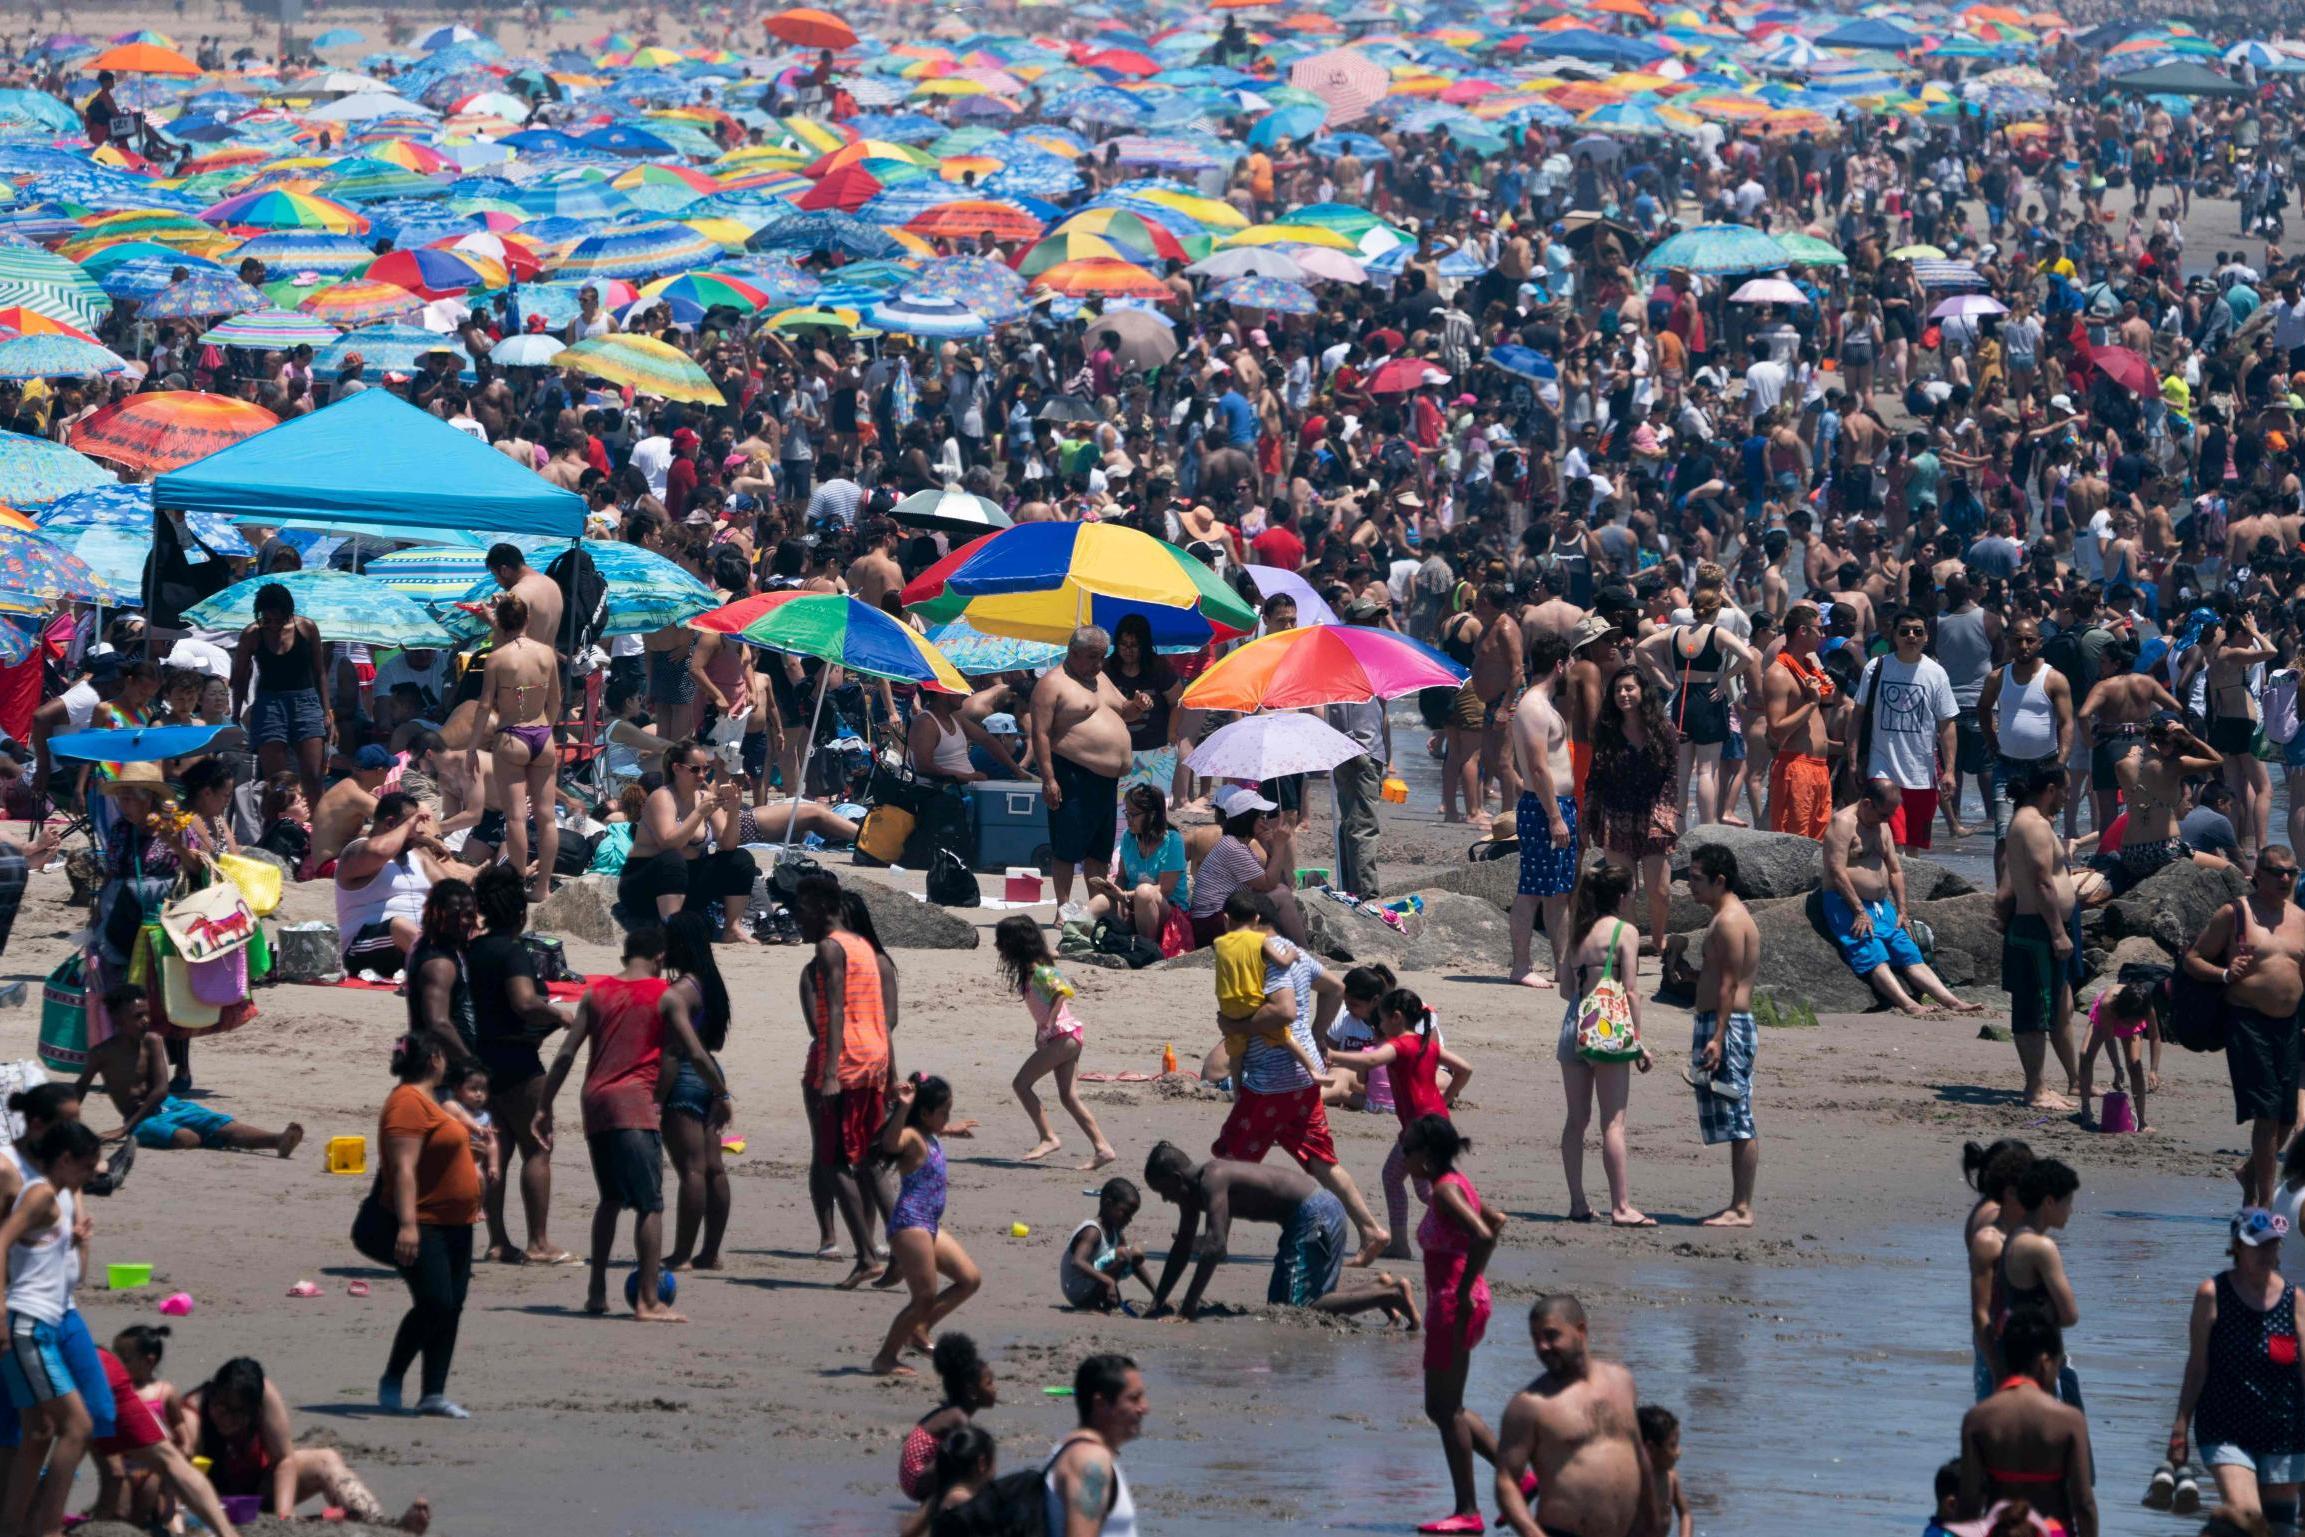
point(851, 1066)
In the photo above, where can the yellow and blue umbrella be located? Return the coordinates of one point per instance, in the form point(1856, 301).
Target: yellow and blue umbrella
point(1042, 581)
point(649, 366)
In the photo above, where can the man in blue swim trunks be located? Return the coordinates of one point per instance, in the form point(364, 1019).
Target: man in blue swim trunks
point(134, 1067)
point(1863, 896)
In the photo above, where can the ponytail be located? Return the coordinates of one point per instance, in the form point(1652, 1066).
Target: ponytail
point(1410, 1007)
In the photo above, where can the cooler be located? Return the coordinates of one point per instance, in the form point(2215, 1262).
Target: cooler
point(1008, 825)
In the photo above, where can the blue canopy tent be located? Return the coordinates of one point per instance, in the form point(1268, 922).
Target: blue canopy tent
point(373, 464)
point(1869, 32)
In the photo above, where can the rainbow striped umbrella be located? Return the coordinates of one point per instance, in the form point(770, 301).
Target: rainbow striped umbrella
point(639, 251)
point(1042, 581)
point(169, 430)
point(1321, 664)
point(278, 329)
point(289, 251)
point(431, 273)
point(709, 290)
point(362, 302)
point(37, 280)
point(276, 208)
point(649, 366)
point(838, 629)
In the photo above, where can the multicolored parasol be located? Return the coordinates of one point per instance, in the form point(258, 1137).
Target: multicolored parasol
point(168, 430)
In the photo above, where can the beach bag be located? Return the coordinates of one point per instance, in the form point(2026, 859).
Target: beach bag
point(185, 1009)
point(221, 981)
point(2281, 706)
point(2194, 1012)
point(549, 958)
point(784, 881)
point(259, 882)
point(374, 1228)
point(64, 1017)
point(884, 832)
point(213, 921)
point(1124, 941)
point(951, 883)
point(1605, 1028)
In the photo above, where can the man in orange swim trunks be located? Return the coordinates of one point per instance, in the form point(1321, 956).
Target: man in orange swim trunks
point(1802, 704)
point(1595, 652)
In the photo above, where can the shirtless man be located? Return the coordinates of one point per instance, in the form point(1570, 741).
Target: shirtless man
point(532, 587)
point(2157, 799)
point(1547, 612)
point(520, 699)
point(876, 572)
point(1725, 1039)
point(1308, 1263)
point(1576, 1428)
point(1802, 704)
point(2039, 959)
point(2253, 950)
point(1545, 818)
point(2021, 1443)
point(345, 808)
point(566, 467)
point(1864, 895)
point(2233, 721)
point(2112, 720)
point(1496, 683)
point(1080, 740)
point(133, 1063)
point(1596, 651)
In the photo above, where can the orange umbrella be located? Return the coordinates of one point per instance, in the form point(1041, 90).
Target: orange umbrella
point(170, 429)
point(11, 518)
point(808, 28)
point(1101, 277)
point(1625, 8)
point(144, 59)
point(983, 218)
point(17, 320)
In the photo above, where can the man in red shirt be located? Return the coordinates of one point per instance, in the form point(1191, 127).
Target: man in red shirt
point(680, 476)
point(1279, 544)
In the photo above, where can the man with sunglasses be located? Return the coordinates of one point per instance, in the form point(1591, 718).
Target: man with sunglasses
point(2254, 950)
point(1907, 699)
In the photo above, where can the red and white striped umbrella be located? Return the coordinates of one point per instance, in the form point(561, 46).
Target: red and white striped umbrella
point(1346, 78)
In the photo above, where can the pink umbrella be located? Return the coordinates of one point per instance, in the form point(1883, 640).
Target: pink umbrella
point(1769, 291)
point(1348, 79)
point(1311, 608)
point(1321, 664)
point(1329, 263)
point(1972, 306)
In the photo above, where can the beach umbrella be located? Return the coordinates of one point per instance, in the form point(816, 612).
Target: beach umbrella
point(646, 591)
point(926, 315)
point(1263, 747)
point(1968, 305)
point(330, 255)
point(1716, 250)
point(981, 219)
point(57, 357)
point(1146, 339)
point(988, 287)
point(1249, 261)
point(1522, 363)
point(951, 509)
point(389, 349)
point(1101, 278)
point(698, 292)
point(277, 208)
point(1768, 291)
point(638, 251)
point(978, 654)
point(1312, 608)
point(431, 273)
point(1319, 665)
point(1276, 295)
point(1348, 80)
point(2124, 366)
point(144, 59)
point(37, 567)
point(199, 295)
point(647, 365)
point(345, 606)
point(532, 350)
point(360, 302)
point(37, 280)
point(1401, 375)
point(1041, 581)
point(1805, 250)
point(806, 27)
point(276, 330)
point(168, 430)
point(35, 471)
point(127, 510)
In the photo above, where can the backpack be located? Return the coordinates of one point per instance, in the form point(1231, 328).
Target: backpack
point(1124, 941)
point(1012, 1505)
point(951, 883)
point(583, 597)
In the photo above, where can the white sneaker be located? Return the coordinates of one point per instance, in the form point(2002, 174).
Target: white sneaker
point(440, 1406)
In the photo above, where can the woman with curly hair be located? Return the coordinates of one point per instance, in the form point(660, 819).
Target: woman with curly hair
point(1633, 794)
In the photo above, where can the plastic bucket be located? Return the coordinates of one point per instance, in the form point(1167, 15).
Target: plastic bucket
point(123, 1277)
point(348, 1155)
point(2119, 1114)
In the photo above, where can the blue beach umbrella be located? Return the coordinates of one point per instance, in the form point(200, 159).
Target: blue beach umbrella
point(344, 606)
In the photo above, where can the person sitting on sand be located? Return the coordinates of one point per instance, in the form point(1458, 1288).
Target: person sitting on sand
point(1097, 1258)
point(239, 1422)
point(1310, 1259)
point(1864, 894)
point(138, 1467)
point(134, 1067)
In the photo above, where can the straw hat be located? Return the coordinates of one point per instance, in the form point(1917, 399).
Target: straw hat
point(135, 776)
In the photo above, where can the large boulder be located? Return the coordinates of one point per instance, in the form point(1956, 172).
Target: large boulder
point(1455, 932)
point(1968, 939)
point(1928, 881)
point(583, 908)
point(905, 922)
point(1768, 864)
point(2171, 906)
point(1799, 964)
point(2136, 950)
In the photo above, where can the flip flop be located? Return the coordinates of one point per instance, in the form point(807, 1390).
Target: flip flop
point(357, 1289)
point(1456, 1524)
point(1644, 1222)
point(304, 1289)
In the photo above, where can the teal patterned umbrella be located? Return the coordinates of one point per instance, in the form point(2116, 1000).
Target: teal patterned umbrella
point(975, 653)
point(344, 606)
point(51, 284)
point(1276, 296)
point(34, 471)
point(1717, 250)
point(645, 591)
point(51, 355)
point(31, 564)
point(202, 294)
point(272, 330)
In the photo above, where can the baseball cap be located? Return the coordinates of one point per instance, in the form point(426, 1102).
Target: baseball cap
point(1232, 800)
point(2167, 718)
point(2062, 403)
point(1589, 629)
point(2253, 1225)
point(372, 758)
point(1257, 337)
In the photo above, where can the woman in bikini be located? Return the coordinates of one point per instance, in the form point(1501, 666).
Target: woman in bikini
point(2157, 800)
point(520, 696)
point(1696, 657)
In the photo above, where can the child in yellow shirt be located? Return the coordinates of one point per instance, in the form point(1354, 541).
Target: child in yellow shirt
point(1249, 955)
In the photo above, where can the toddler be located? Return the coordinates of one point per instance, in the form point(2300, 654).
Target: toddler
point(465, 1098)
point(1661, 1434)
point(1097, 1257)
point(1252, 961)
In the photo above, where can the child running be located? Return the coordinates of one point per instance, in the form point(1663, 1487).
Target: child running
point(1030, 967)
point(2122, 1015)
point(1661, 1434)
point(39, 1236)
point(919, 1248)
point(1096, 1258)
point(1458, 1235)
point(1411, 1056)
point(1252, 961)
point(968, 1387)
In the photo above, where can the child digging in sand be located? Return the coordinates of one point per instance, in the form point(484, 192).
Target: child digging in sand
point(1097, 1258)
point(1029, 966)
point(1252, 961)
point(919, 1248)
point(2120, 1019)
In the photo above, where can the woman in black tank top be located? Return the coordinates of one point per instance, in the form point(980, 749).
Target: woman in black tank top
point(279, 669)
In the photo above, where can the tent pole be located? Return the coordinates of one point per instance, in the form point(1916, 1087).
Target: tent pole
point(823, 677)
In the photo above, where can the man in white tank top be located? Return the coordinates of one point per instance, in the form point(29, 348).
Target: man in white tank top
point(1087, 1494)
point(2026, 712)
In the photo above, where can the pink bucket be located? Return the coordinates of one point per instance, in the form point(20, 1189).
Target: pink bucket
point(2119, 1114)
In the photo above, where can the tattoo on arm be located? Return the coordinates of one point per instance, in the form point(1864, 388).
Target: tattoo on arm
point(1090, 1496)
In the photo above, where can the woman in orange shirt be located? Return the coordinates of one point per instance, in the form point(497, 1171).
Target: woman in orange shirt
point(429, 1194)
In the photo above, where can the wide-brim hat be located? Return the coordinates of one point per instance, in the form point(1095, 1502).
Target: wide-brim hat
point(135, 776)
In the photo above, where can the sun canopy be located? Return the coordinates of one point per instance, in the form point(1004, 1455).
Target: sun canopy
point(373, 464)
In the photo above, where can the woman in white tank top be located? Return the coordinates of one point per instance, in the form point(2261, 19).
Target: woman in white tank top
point(43, 1263)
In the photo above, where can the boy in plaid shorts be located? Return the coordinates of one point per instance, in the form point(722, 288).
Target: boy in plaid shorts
point(1721, 1053)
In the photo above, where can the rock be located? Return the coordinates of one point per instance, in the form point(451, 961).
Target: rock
point(1968, 943)
point(583, 908)
point(2173, 905)
point(907, 923)
point(1799, 964)
point(1455, 930)
point(2136, 950)
point(1768, 864)
point(1492, 880)
point(1926, 881)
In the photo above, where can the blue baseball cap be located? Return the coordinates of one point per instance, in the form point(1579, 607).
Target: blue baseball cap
point(372, 758)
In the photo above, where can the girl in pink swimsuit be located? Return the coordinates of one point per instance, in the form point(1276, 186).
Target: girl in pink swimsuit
point(1458, 1235)
point(1028, 966)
